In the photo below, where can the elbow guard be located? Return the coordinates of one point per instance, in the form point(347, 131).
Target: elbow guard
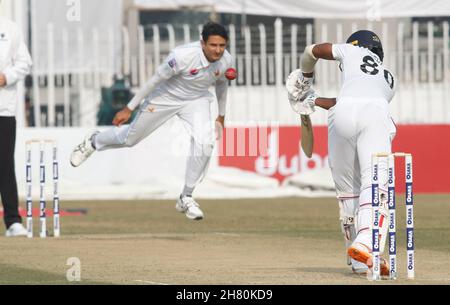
point(308, 60)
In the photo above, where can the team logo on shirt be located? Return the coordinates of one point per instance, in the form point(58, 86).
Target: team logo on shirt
point(172, 63)
point(217, 73)
point(194, 71)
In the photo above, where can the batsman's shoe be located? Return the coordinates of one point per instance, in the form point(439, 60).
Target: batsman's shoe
point(16, 229)
point(363, 254)
point(358, 267)
point(188, 206)
point(83, 151)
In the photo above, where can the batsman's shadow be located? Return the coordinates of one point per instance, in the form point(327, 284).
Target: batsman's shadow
point(329, 270)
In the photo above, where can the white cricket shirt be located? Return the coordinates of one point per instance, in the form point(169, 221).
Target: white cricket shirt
point(363, 74)
point(187, 75)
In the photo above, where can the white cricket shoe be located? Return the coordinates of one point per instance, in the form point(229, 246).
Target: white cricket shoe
point(16, 229)
point(188, 206)
point(83, 150)
point(358, 267)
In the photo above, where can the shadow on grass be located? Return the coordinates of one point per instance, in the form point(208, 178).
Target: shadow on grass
point(13, 275)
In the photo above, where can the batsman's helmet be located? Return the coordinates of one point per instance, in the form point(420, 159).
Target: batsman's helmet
point(369, 40)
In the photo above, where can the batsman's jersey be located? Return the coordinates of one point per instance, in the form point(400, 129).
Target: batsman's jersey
point(188, 74)
point(363, 74)
point(360, 123)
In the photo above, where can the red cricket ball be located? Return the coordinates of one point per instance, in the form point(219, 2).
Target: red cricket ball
point(231, 74)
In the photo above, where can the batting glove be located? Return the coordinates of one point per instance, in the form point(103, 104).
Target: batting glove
point(305, 106)
point(298, 85)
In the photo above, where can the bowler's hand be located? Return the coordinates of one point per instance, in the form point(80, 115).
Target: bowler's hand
point(220, 125)
point(122, 116)
point(2, 80)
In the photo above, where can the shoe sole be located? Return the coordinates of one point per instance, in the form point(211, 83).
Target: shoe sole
point(79, 163)
point(73, 165)
point(194, 218)
point(364, 257)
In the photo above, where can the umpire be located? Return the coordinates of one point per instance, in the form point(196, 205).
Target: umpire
point(15, 64)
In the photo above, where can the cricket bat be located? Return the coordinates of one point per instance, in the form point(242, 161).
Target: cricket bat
point(307, 140)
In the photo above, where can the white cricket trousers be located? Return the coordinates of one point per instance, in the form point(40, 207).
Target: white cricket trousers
point(357, 128)
point(196, 117)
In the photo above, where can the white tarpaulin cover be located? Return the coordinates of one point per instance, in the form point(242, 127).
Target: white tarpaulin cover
point(348, 9)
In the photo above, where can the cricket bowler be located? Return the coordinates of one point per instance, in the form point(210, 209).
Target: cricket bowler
point(180, 87)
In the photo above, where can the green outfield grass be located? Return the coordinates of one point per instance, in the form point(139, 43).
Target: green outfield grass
point(258, 241)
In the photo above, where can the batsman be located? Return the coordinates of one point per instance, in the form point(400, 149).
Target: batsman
point(359, 125)
point(180, 87)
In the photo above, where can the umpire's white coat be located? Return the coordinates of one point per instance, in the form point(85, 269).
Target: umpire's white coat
point(15, 63)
